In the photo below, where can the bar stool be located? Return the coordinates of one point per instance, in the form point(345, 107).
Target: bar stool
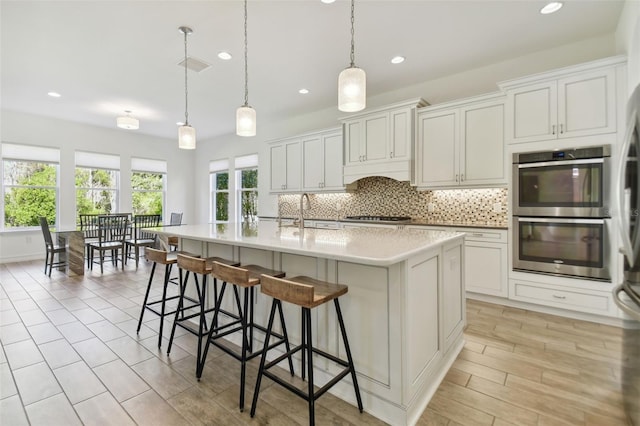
point(307, 293)
point(245, 277)
point(196, 266)
point(168, 259)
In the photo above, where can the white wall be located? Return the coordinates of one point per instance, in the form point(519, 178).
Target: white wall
point(628, 41)
point(68, 137)
point(469, 83)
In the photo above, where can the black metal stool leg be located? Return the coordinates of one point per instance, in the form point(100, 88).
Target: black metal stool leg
point(212, 330)
point(201, 323)
point(162, 305)
point(254, 403)
point(146, 297)
point(183, 286)
point(312, 400)
point(245, 346)
point(348, 351)
point(286, 338)
point(303, 332)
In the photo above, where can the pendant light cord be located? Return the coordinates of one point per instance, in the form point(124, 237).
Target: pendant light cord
point(352, 34)
point(186, 91)
point(246, 73)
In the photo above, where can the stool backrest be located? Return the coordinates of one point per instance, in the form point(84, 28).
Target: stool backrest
point(231, 274)
point(287, 291)
point(153, 255)
point(194, 264)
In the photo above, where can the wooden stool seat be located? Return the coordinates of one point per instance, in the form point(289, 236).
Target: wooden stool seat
point(307, 293)
point(245, 277)
point(302, 291)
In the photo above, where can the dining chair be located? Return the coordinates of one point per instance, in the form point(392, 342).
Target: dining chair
point(176, 219)
point(112, 233)
point(89, 228)
point(140, 237)
point(52, 248)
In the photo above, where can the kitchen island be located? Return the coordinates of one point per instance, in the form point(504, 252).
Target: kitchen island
point(404, 312)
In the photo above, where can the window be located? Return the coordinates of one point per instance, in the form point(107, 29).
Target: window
point(147, 185)
point(97, 181)
point(247, 187)
point(29, 185)
point(219, 184)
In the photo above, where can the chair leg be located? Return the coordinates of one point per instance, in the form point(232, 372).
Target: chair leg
point(46, 261)
point(303, 339)
point(162, 306)
point(309, 348)
point(146, 297)
point(245, 346)
point(348, 351)
point(212, 330)
point(286, 339)
point(51, 262)
point(183, 286)
point(263, 358)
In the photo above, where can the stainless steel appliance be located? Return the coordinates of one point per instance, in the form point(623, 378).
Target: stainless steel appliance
point(562, 183)
point(627, 294)
point(562, 246)
point(560, 212)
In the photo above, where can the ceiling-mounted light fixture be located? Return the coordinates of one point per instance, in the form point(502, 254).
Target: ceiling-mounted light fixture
point(245, 115)
point(352, 82)
point(186, 133)
point(551, 7)
point(128, 122)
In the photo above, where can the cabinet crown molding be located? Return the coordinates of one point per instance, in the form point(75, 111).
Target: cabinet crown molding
point(416, 102)
point(561, 72)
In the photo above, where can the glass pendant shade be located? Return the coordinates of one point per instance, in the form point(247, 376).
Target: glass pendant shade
point(186, 137)
point(127, 122)
point(246, 121)
point(352, 89)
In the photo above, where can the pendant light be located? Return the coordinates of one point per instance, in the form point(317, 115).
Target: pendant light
point(352, 82)
point(128, 122)
point(186, 133)
point(245, 115)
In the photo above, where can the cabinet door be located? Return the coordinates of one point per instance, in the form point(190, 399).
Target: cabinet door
point(352, 139)
point(453, 293)
point(312, 163)
point(437, 162)
point(278, 156)
point(586, 104)
point(332, 161)
point(482, 157)
point(401, 134)
point(532, 113)
point(376, 135)
point(294, 161)
point(486, 268)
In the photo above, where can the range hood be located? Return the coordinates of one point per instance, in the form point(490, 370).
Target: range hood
point(397, 170)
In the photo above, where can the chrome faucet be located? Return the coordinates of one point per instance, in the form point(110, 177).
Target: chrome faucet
point(301, 221)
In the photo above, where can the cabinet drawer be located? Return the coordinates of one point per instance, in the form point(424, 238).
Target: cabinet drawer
point(561, 298)
point(497, 236)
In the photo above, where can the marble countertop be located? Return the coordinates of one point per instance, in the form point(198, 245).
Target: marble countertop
point(420, 222)
point(373, 246)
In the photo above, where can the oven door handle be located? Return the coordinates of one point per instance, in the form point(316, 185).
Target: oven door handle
point(561, 220)
point(624, 307)
point(562, 163)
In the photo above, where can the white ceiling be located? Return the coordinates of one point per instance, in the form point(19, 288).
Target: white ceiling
point(105, 57)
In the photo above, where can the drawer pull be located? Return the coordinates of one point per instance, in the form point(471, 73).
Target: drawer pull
point(477, 234)
point(559, 297)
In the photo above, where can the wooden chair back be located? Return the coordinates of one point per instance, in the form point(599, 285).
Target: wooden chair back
point(141, 221)
point(232, 274)
point(157, 256)
point(193, 264)
point(89, 225)
point(46, 232)
point(113, 228)
point(287, 291)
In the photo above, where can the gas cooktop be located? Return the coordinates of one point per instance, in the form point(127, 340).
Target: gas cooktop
point(380, 218)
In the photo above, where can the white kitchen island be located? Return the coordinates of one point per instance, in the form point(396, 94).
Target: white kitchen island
point(404, 312)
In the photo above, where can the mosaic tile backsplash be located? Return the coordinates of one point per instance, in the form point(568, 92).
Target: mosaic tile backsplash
point(382, 196)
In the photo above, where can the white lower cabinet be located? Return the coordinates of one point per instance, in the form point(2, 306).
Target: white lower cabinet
point(486, 262)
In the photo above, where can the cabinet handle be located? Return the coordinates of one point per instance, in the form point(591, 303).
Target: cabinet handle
point(457, 178)
point(477, 234)
point(553, 129)
point(364, 158)
point(561, 128)
point(391, 154)
point(462, 177)
point(559, 297)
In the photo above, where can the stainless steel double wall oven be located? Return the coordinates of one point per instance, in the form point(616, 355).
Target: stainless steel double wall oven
point(561, 212)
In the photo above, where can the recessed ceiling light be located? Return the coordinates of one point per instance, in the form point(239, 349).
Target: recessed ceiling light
point(327, 1)
point(54, 94)
point(397, 59)
point(225, 56)
point(303, 91)
point(551, 7)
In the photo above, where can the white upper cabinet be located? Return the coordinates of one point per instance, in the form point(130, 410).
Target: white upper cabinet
point(380, 142)
point(462, 144)
point(322, 162)
point(311, 162)
point(568, 103)
point(285, 166)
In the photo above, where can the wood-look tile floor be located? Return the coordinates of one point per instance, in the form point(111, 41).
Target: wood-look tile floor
point(70, 355)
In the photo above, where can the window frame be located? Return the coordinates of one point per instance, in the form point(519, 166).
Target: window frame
point(163, 191)
point(214, 191)
point(240, 189)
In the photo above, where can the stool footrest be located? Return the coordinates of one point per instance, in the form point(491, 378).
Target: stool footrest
point(214, 341)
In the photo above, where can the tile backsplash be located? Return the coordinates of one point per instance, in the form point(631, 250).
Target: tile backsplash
point(388, 197)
